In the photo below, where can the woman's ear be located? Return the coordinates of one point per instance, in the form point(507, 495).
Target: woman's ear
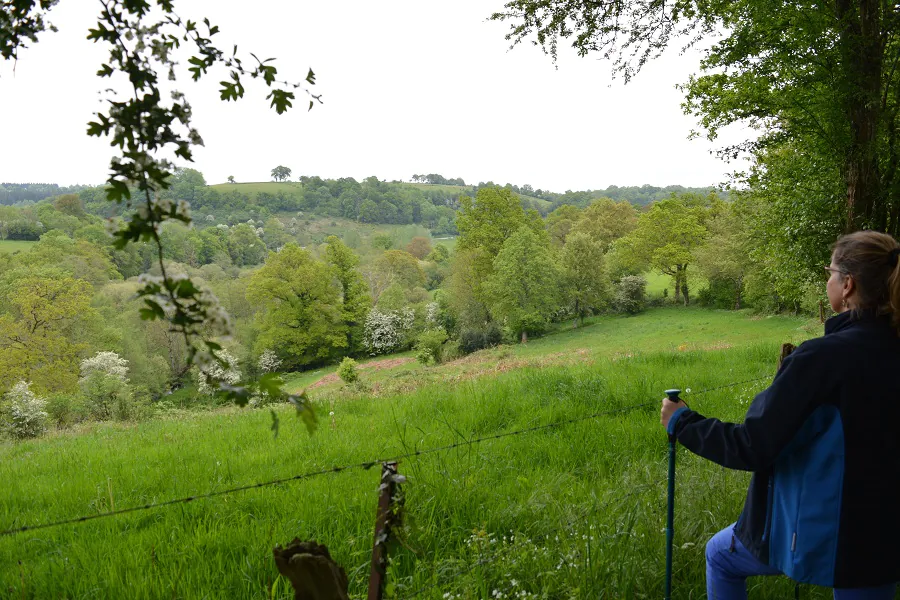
point(849, 286)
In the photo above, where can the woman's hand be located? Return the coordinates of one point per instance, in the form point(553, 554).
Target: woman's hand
point(668, 409)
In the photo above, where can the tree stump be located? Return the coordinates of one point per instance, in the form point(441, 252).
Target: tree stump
point(311, 571)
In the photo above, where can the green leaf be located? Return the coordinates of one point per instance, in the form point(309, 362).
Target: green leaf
point(275, 423)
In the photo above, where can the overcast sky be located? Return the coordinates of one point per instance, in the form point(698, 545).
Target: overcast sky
point(409, 86)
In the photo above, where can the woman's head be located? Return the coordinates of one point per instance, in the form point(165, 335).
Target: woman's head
point(865, 274)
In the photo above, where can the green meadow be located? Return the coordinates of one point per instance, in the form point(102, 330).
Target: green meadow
point(10, 246)
point(569, 511)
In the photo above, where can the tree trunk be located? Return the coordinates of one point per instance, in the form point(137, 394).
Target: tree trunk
point(862, 57)
point(677, 285)
point(524, 337)
point(684, 284)
point(737, 294)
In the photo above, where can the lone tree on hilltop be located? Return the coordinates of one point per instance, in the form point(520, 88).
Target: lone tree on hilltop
point(281, 173)
point(231, 179)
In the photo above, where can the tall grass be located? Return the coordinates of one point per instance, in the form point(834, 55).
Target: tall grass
point(575, 511)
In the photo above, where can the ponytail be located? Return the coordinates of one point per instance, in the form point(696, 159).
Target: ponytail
point(893, 284)
point(873, 260)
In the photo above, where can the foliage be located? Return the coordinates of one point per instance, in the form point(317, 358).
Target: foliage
point(108, 396)
point(281, 173)
point(605, 221)
point(38, 334)
point(630, 294)
point(105, 363)
point(585, 283)
point(355, 299)
point(26, 417)
point(472, 340)
point(385, 331)
point(227, 373)
point(816, 83)
point(300, 307)
point(428, 345)
point(148, 129)
point(268, 361)
point(523, 288)
point(420, 247)
point(665, 238)
point(348, 370)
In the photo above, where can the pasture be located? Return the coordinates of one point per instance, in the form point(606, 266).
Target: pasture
point(10, 246)
point(573, 511)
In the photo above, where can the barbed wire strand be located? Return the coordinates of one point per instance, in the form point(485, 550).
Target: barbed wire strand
point(338, 469)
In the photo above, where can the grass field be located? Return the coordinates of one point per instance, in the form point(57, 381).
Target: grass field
point(10, 246)
point(574, 511)
point(254, 188)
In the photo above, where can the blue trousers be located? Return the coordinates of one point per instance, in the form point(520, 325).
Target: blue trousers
point(728, 564)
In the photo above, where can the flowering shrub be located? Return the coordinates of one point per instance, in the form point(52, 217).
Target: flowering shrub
point(385, 331)
point(107, 363)
point(26, 416)
point(268, 362)
point(215, 371)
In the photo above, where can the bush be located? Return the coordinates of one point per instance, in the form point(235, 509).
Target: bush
point(25, 416)
point(629, 296)
point(62, 410)
point(108, 363)
point(268, 362)
point(471, 340)
point(218, 373)
point(107, 397)
point(428, 346)
point(385, 331)
point(348, 371)
point(721, 293)
point(450, 351)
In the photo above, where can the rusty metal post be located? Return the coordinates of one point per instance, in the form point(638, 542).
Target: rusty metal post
point(384, 517)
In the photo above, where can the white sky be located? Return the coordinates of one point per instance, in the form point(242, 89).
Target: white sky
point(409, 86)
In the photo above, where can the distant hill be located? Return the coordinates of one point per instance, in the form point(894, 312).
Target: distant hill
point(12, 193)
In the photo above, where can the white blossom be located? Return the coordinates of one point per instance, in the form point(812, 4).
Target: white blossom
point(107, 363)
point(27, 417)
point(384, 330)
point(216, 372)
point(269, 362)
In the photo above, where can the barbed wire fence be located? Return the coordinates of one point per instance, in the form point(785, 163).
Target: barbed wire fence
point(386, 463)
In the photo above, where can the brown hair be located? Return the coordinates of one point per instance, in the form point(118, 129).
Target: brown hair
point(871, 258)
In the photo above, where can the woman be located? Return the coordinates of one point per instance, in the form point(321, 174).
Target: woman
point(823, 442)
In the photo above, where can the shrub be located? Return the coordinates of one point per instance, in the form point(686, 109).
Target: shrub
point(62, 410)
point(268, 362)
point(107, 397)
point(471, 340)
point(217, 373)
point(348, 371)
point(630, 294)
point(385, 331)
point(108, 363)
point(429, 344)
point(25, 416)
point(425, 356)
point(450, 351)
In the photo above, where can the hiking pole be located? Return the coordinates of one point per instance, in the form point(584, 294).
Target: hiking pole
point(670, 516)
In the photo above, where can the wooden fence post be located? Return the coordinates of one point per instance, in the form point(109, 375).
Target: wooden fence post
point(383, 521)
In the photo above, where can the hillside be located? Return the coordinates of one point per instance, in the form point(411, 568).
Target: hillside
point(582, 504)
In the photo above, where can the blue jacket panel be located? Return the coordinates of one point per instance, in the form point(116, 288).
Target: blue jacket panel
point(824, 446)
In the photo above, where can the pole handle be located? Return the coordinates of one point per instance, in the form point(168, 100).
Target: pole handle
point(672, 395)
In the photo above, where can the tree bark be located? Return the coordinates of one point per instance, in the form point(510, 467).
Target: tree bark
point(524, 337)
point(862, 57)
